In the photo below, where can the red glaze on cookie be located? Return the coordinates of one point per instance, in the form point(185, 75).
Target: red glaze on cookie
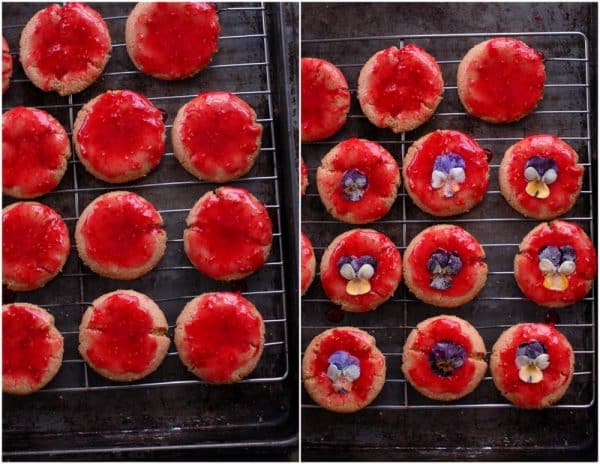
point(375, 163)
point(35, 244)
point(531, 279)
point(7, 65)
point(387, 274)
point(507, 81)
point(120, 339)
point(228, 233)
point(307, 273)
point(446, 330)
point(402, 81)
point(220, 134)
point(303, 176)
point(175, 40)
point(27, 345)
point(530, 395)
point(122, 132)
point(222, 336)
point(67, 41)
point(325, 99)
point(121, 231)
point(417, 174)
point(34, 145)
point(568, 182)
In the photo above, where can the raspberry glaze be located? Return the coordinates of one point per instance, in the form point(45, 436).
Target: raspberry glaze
point(121, 132)
point(119, 332)
point(325, 99)
point(531, 279)
point(27, 352)
point(228, 232)
point(219, 133)
point(35, 245)
point(372, 160)
point(174, 40)
point(35, 149)
point(7, 65)
point(307, 255)
point(303, 176)
point(417, 173)
point(224, 334)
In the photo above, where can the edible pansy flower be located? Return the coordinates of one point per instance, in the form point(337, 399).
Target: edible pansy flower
point(448, 173)
point(358, 271)
point(444, 266)
point(445, 357)
point(531, 359)
point(354, 184)
point(343, 370)
point(556, 263)
point(540, 173)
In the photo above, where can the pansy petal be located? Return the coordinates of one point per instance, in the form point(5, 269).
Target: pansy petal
point(546, 266)
point(521, 361)
point(543, 190)
point(530, 374)
point(351, 372)
point(458, 174)
point(358, 287)
point(333, 372)
point(550, 176)
point(366, 271)
point(567, 268)
point(542, 361)
point(556, 282)
point(531, 174)
point(438, 178)
point(347, 271)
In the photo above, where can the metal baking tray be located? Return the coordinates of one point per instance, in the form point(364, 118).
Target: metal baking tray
point(400, 423)
point(171, 412)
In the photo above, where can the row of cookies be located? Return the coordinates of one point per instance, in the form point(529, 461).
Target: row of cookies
point(444, 359)
point(123, 337)
point(65, 48)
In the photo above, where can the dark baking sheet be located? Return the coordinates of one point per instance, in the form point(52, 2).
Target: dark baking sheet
point(401, 424)
point(171, 413)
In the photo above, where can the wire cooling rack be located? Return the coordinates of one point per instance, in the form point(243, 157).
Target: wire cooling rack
point(267, 291)
point(565, 111)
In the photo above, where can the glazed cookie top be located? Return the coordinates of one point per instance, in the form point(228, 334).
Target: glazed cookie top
point(303, 176)
point(448, 167)
point(446, 259)
point(325, 99)
point(67, 41)
point(506, 80)
point(307, 256)
point(360, 179)
point(543, 173)
point(7, 65)
point(534, 361)
point(172, 40)
point(402, 82)
point(556, 261)
point(120, 133)
point(35, 148)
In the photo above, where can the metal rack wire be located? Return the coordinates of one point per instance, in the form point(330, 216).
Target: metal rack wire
point(501, 227)
point(266, 288)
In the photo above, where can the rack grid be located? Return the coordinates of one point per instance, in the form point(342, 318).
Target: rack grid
point(498, 227)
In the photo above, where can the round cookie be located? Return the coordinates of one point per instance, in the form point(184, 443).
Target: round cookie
point(172, 40)
point(443, 358)
point(119, 235)
point(444, 266)
point(7, 65)
point(343, 370)
point(122, 336)
point(539, 176)
point(33, 353)
point(303, 177)
point(229, 234)
point(532, 365)
point(216, 137)
point(556, 264)
point(220, 337)
point(308, 266)
point(501, 80)
point(35, 245)
point(360, 270)
point(358, 181)
point(400, 88)
point(325, 99)
point(65, 48)
point(119, 136)
point(35, 150)
point(446, 173)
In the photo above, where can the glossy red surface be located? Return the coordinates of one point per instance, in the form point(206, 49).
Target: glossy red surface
point(307, 254)
point(7, 65)
point(122, 132)
point(303, 176)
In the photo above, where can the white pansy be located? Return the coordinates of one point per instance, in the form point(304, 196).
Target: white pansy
point(366, 271)
point(546, 266)
point(438, 178)
point(550, 176)
point(352, 372)
point(567, 268)
point(347, 271)
point(531, 174)
point(458, 174)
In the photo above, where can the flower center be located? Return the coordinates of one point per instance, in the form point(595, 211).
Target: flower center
point(354, 184)
point(358, 271)
point(444, 265)
point(343, 370)
point(531, 359)
point(540, 173)
point(448, 173)
point(556, 264)
point(445, 357)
